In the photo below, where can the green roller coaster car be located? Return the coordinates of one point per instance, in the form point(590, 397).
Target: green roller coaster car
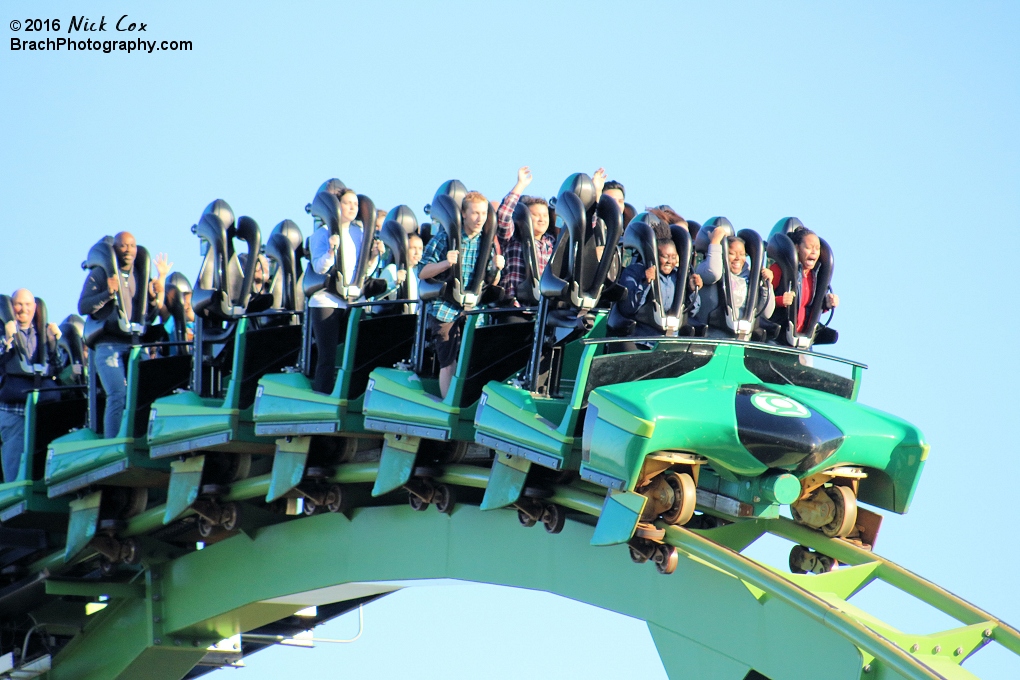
point(23, 501)
point(733, 429)
point(408, 408)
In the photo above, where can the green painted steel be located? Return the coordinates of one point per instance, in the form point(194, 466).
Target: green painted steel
point(24, 494)
point(718, 616)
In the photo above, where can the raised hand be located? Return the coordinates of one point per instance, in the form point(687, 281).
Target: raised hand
point(599, 180)
point(163, 265)
point(523, 179)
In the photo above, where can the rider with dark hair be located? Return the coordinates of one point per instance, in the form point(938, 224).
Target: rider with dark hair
point(808, 250)
point(511, 247)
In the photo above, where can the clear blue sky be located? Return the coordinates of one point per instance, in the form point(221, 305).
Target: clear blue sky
point(890, 128)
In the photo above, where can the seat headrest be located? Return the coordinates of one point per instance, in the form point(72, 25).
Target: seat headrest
point(394, 236)
point(290, 232)
point(629, 212)
point(222, 210)
point(582, 186)
point(72, 324)
point(693, 228)
point(326, 207)
point(705, 233)
point(179, 282)
point(453, 188)
point(656, 224)
point(405, 217)
point(332, 186)
point(6, 309)
point(639, 237)
point(101, 255)
point(446, 212)
point(787, 225)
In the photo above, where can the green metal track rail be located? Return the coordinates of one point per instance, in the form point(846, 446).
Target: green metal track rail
point(721, 615)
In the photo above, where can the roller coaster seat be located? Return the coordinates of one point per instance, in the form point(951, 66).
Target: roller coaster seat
point(85, 457)
point(285, 403)
point(405, 217)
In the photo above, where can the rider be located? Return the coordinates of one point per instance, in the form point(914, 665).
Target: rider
point(99, 300)
point(637, 305)
point(394, 277)
point(711, 271)
point(20, 345)
point(808, 251)
point(511, 247)
point(328, 310)
point(446, 318)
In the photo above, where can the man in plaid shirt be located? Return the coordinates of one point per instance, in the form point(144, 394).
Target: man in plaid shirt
point(511, 247)
point(544, 241)
point(446, 318)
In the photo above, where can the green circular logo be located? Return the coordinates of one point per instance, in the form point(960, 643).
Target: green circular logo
point(778, 405)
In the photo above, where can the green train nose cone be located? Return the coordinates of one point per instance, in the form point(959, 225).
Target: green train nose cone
point(781, 432)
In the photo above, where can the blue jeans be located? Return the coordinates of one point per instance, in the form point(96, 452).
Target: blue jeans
point(12, 432)
point(113, 376)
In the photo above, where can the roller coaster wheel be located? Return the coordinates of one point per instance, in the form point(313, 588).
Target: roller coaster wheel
point(456, 452)
point(318, 472)
point(240, 467)
point(110, 527)
point(553, 517)
point(205, 527)
point(230, 516)
point(666, 558)
point(130, 551)
point(797, 557)
point(444, 498)
point(335, 501)
point(417, 504)
point(212, 490)
point(309, 507)
point(525, 519)
point(139, 501)
point(637, 555)
point(650, 532)
point(846, 512)
point(537, 492)
point(685, 496)
point(803, 560)
point(106, 567)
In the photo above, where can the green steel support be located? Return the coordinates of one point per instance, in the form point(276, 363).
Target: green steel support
point(720, 615)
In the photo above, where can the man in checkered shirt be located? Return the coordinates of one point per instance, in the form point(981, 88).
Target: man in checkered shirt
point(544, 241)
point(511, 247)
point(446, 319)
